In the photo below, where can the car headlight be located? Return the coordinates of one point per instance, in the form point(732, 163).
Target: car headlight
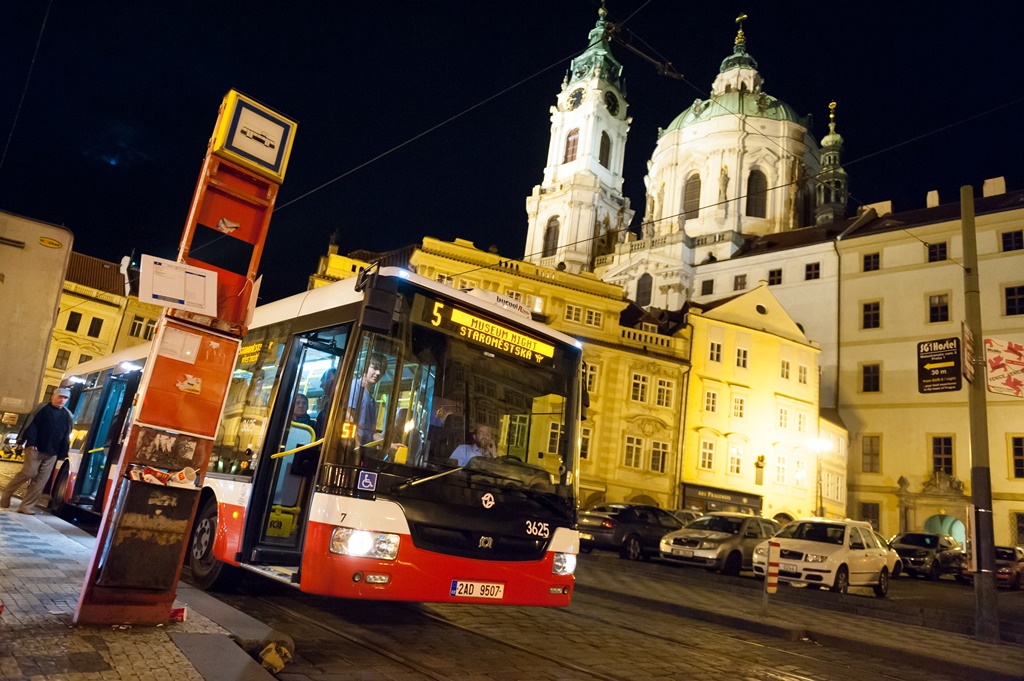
point(364, 544)
point(1003, 570)
point(761, 551)
point(565, 564)
point(815, 558)
point(709, 545)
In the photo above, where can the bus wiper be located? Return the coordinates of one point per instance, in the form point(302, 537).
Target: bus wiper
point(416, 481)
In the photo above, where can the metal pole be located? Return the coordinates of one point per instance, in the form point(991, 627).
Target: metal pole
point(986, 613)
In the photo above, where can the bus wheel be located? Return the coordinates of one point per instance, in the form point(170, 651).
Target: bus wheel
point(207, 572)
point(59, 491)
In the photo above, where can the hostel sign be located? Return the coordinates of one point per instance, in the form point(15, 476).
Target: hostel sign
point(938, 366)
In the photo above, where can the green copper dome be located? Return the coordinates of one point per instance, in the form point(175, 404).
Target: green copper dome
point(597, 59)
point(755, 104)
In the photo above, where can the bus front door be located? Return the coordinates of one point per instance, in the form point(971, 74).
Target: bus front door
point(90, 489)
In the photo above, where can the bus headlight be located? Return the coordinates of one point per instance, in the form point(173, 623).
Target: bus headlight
point(363, 544)
point(565, 564)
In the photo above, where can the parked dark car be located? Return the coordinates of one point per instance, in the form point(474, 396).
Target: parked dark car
point(931, 555)
point(633, 530)
point(1009, 567)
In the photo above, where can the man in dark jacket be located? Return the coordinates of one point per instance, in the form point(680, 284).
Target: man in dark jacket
point(46, 436)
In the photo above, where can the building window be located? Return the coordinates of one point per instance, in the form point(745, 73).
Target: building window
point(644, 285)
point(62, 359)
point(585, 443)
point(783, 418)
point(639, 391)
point(1017, 447)
point(739, 282)
point(739, 407)
point(800, 472)
point(95, 327)
point(710, 401)
point(735, 460)
point(1014, 300)
point(741, 358)
point(594, 318)
point(942, 455)
point(937, 252)
point(784, 371)
point(871, 262)
point(150, 328)
point(573, 313)
point(659, 455)
point(82, 359)
point(801, 374)
point(871, 454)
point(714, 352)
point(514, 295)
point(801, 422)
point(872, 315)
point(1013, 241)
point(707, 287)
point(812, 270)
point(634, 452)
point(871, 378)
point(707, 455)
point(780, 469)
point(666, 392)
point(691, 197)
point(871, 512)
point(606, 149)
point(1018, 521)
point(774, 277)
point(445, 279)
point(572, 141)
point(550, 238)
point(555, 432)
point(647, 327)
point(74, 319)
point(757, 194)
point(938, 308)
point(137, 327)
point(591, 378)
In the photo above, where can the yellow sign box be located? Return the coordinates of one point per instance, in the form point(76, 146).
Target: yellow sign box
point(253, 136)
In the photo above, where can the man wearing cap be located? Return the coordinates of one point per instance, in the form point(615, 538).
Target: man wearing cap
point(47, 436)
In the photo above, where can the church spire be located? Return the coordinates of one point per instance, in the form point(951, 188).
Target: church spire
point(597, 59)
point(833, 186)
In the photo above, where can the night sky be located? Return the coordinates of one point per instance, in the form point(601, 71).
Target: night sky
point(122, 98)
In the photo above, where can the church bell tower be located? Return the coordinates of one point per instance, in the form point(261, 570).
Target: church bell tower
point(578, 212)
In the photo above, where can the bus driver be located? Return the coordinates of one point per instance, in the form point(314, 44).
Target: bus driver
point(483, 445)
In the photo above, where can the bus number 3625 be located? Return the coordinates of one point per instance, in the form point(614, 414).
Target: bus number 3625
point(538, 529)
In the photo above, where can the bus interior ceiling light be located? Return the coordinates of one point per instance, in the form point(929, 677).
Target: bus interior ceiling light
point(364, 544)
point(404, 274)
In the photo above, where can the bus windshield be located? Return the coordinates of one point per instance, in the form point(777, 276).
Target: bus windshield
point(457, 392)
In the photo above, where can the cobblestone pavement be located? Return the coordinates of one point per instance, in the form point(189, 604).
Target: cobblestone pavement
point(41, 574)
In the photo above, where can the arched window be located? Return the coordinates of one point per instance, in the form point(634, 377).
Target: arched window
point(643, 289)
point(572, 140)
point(550, 238)
point(691, 197)
point(757, 194)
point(606, 149)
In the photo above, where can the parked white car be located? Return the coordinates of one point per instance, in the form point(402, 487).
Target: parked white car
point(823, 553)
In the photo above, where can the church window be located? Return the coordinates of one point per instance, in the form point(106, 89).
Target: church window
point(550, 238)
point(691, 197)
point(643, 289)
point(606, 149)
point(572, 141)
point(757, 194)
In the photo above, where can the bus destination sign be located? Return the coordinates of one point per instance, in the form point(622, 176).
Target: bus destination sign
point(493, 335)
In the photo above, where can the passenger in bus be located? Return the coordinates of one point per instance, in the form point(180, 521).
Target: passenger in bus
point(300, 412)
point(362, 407)
point(482, 445)
point(324, 403)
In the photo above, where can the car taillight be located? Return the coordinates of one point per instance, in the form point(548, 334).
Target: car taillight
point(608, 523)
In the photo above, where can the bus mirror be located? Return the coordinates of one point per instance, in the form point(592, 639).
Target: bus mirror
point(379, 301)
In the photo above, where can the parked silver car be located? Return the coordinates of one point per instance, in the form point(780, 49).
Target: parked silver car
point(718, 541)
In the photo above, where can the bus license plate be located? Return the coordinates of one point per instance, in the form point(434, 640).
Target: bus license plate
point(477, 589)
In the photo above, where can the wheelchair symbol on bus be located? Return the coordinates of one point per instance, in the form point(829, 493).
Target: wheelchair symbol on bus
point(367, 481)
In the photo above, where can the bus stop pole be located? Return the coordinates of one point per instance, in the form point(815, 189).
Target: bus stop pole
point(986, 613)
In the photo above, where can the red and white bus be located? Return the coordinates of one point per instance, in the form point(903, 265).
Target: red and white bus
point(353, 492)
